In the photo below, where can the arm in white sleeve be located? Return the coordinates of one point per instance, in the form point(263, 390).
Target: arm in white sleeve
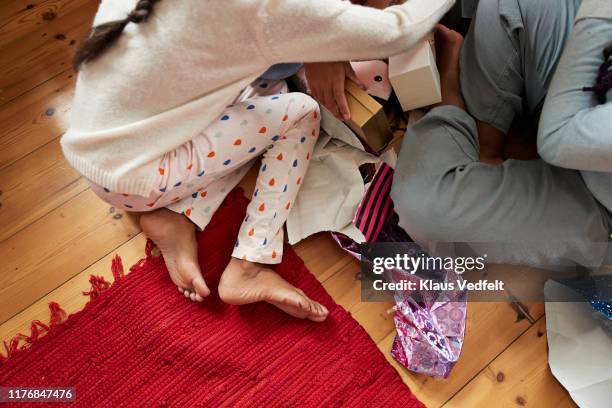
point(332, 30)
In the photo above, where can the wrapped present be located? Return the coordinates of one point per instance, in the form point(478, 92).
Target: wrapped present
point(414, 76)
point(368, 119)
point(430, 330)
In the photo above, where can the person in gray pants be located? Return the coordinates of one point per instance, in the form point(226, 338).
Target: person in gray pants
point(452, 183)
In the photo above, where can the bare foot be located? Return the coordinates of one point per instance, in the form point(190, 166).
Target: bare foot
point(174, 235)
point(245, 282)
point(448, 51)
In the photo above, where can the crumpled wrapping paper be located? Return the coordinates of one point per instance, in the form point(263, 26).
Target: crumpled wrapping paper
point(430, 330)
point(332, 188)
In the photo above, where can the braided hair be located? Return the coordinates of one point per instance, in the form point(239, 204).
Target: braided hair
point(101, 37)
point(604, 77)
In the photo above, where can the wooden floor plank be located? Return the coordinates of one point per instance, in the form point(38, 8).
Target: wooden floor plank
point(35, 118)
point(29, 61)
point(34, 186)
point(322, 256)
point(518, 377)
point(18, 18)
point(69, 294)
point(375, 319)
point(344, 286)
point(57, 247)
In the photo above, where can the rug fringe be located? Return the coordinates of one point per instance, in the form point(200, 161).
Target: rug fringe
point(149, 256)
point(57, 315)
point(117, 268)
point(98, 285)
point(149, 247)
point(37, 329)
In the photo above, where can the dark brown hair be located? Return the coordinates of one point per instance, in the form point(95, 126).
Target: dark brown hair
point(604, 78)
point(101, 37)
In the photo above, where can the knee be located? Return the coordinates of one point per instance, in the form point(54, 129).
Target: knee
point(309, 111)
point(304, 101)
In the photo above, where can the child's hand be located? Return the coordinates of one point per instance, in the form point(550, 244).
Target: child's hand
point(326, 83)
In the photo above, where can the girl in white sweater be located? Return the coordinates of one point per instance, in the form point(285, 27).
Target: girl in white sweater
point(162, 125)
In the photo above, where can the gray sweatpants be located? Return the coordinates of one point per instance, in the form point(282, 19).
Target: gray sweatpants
point(441, 190)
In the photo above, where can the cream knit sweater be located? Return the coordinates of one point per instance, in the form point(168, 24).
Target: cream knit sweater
point(167, 79)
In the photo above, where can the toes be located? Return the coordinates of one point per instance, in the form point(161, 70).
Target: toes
point(191, 294)
point(195, 297)
point(317, 319)
point(320, 312)
point(200, 287)
point(318, 309)
point(314, 310)
point(325, 310)
point(313, 307)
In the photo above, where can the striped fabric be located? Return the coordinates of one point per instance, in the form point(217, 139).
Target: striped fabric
point(376, 206)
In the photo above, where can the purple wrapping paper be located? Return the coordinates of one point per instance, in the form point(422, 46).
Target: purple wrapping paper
point(430, 332)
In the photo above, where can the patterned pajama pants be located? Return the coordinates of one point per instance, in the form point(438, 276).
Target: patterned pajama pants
point(195, 178)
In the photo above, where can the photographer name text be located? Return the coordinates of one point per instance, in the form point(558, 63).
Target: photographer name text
point(404, 284)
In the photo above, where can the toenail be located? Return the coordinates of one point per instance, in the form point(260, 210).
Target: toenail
point(180, 289)
point(186, 293)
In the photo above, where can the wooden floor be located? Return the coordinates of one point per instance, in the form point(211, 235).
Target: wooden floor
point(54, 232)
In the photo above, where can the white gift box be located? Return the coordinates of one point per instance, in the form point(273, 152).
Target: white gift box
point(415, 78)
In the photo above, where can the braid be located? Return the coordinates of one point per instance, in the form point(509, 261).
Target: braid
point(101, 37)
point(604, 78)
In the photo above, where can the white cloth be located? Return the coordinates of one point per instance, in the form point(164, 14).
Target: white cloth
point(168, 78)
point(333, 187)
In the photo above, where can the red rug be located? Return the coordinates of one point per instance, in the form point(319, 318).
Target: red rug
point(140, 343)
